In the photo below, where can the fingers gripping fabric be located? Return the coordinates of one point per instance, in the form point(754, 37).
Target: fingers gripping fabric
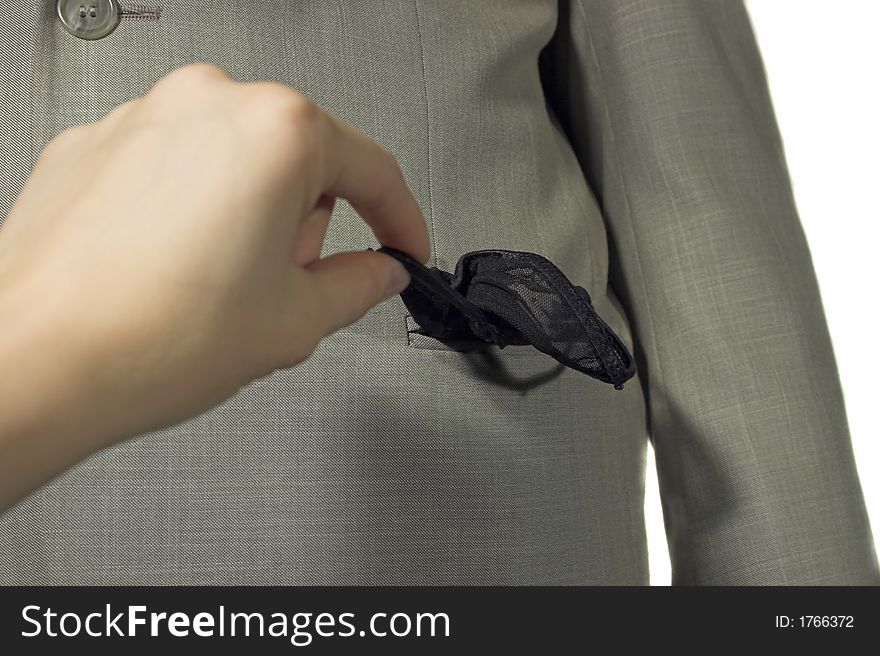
point(512, 297)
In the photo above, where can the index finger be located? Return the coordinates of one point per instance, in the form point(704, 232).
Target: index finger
point(367, 175)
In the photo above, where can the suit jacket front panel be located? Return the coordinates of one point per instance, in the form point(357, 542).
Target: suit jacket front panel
point(382, 458)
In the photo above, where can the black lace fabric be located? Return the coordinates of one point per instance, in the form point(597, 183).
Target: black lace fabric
point(504, 297)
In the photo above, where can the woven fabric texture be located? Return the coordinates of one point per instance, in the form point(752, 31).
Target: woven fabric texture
point(630, 142)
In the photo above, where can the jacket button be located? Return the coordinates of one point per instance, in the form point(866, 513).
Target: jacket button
point(88, 19)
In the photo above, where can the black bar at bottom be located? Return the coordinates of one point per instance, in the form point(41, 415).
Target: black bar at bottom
point(433, 620)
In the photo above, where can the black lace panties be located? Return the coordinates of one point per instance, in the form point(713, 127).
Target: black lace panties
point(511, 297)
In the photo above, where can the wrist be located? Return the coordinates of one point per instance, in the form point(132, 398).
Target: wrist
point(50, 413)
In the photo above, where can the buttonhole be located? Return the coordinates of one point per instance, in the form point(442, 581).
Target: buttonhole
point(138, 12)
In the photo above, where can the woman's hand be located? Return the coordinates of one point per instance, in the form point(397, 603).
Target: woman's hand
point(164, 256)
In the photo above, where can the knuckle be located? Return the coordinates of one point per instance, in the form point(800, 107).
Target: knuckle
point(289, 113)
point(300, 348)
point(371, 289)
point(366, 290)
point(393, 166)
point(301, 329)
point(268, 91)
point(198, 73)
point(288, 119)
point(121, 112)
point(300, 111)
point(299, 123)
point(66, 138)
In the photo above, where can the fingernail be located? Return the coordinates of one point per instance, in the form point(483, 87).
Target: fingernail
point(399, 281)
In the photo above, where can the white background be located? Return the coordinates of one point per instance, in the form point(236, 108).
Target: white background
point(822, 61)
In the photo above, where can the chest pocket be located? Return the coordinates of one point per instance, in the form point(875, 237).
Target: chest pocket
point(503, 298)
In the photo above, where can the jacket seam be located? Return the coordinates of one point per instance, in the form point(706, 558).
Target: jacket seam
point(427, 132)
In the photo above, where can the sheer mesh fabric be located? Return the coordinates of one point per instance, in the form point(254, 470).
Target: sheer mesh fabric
point(504, 297)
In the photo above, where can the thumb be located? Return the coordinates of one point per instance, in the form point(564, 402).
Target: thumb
point(349, 284)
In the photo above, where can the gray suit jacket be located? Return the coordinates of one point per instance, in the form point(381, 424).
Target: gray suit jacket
point(632, 143)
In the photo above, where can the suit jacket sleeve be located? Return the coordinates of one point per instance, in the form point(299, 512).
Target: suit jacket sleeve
point(667, 107)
